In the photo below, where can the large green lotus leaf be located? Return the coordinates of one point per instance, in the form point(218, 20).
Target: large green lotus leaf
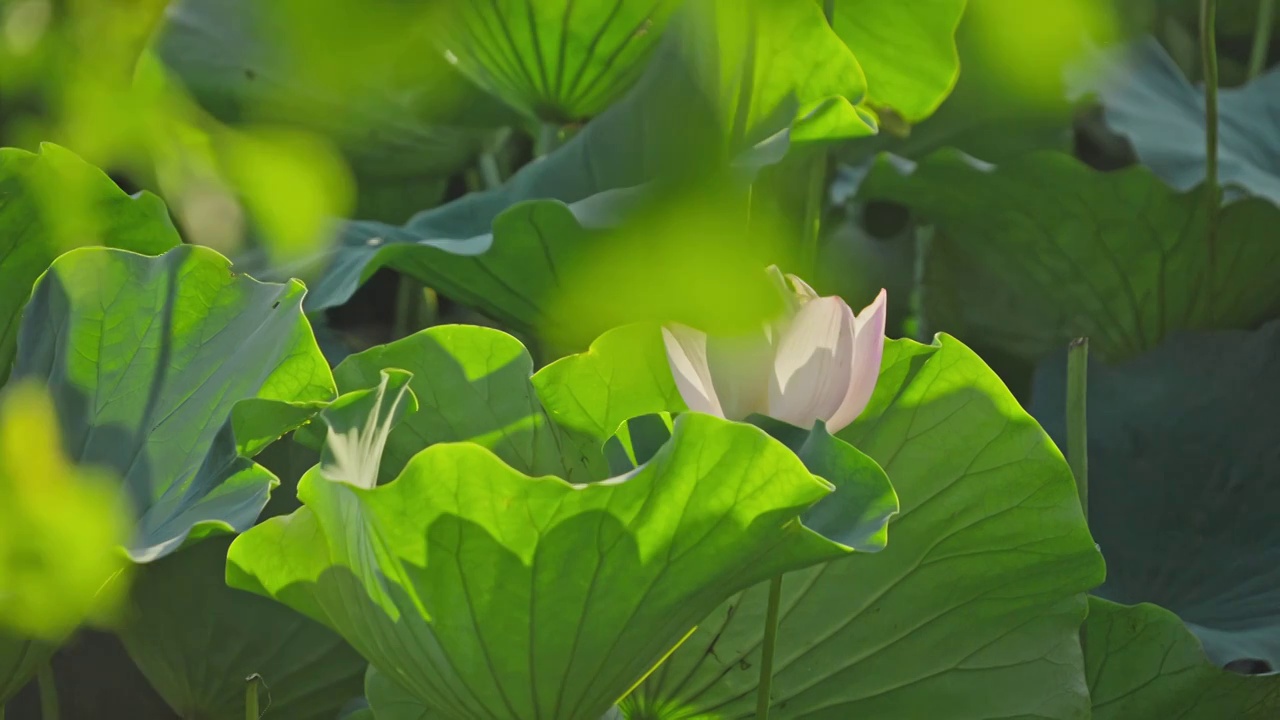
point(52, 202)
point(624, 374)
point(19, 659)
point(146, 359)
point(472, 384)
point(506, 251)
point(1043, 249)
point(486, 592)
point(907, 49)
point(1147, 98)
point(1143, 664)
point(973, 609)
point(196, 640)
point(1183, 471)
point(352, 72)
point(555, 60)
point(390, 701)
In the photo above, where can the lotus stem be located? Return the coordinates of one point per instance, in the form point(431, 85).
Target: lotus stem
point(812, 231)
point(251, 697)
point(1262, 38)
point(766, 651)
point(490, 171)
point(815, 193)
point(548, 139)
point(1209, 56)
point(48, 687)
point(408, 303)
point(1077, 417)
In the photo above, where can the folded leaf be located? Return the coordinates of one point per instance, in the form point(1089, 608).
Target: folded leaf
point(52, 202)
point(146, 359)
point(487, 592)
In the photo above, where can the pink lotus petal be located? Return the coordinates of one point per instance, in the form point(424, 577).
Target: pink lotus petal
point(868, 351)
point(813, 363)
point(687, 357)
point(740, 368)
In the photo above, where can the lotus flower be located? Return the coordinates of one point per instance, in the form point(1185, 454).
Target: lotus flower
point(820, 362)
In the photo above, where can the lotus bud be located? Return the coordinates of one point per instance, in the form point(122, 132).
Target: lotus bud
point(819, 362)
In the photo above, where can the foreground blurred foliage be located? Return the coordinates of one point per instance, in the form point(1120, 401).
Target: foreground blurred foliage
point(62, 525)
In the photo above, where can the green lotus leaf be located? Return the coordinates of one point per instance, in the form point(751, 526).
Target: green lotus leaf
point(907, 49)
point(1043, 249)
point(474, 584)
point(196, 640)
point(19, 660)
point(472, 384)
point(1147, 98)
point(146, 359)
point(354, 73)
point(696, 110)
point(1183, 469)
point(558, 61)
point(1143, 664)
point(624, 374)
point(620, 392)
point(389, 701)
point(637, 441)
point(971, 611)
point(52, 202)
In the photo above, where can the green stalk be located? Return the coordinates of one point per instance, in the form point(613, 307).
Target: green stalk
point(408, 300)
point(815, 192)
point(251, 697)
point(1077, 417)
point(1209, 56)
point(766, 651)
point(48, 692)
point(1261, 38)
point(489, 171)
point(548, 139)
point(811, 235)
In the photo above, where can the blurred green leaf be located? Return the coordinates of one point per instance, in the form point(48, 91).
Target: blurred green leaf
point(489, 616)
point(146, 359)
point(1043, 249)
point(19, 659)
point(1146, 98)
point(972, 610)
point(61, 526)
point(356, 74)
point(906, 48)
point(52, 202)
point(706, 103)
point(1143, 664)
